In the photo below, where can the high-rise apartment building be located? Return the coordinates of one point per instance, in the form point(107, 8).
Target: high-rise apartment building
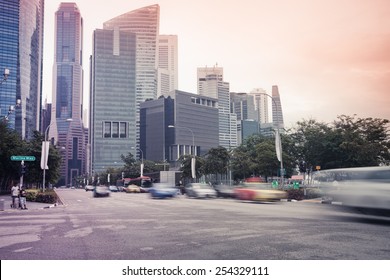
point(21, 52)
point(211, 84)
point(68, 93)
point(167, 64)
point(144, 22)
point(113, 98)
point(277, 113)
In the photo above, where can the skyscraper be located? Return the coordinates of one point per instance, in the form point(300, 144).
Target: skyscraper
point(261, 104)
point(144, 22)
point(167, 64)
point(211, 84)
point(277, 113)
point(68, 93)
point(113, 98)
point(21, 49)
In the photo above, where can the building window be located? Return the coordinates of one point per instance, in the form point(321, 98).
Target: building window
point(123, 129)
point(107, 130)
point(115, 130)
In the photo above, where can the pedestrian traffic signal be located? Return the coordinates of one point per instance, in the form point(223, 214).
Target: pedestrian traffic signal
point(23, 169)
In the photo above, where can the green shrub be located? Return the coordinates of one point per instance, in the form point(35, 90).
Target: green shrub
point(31, 194)
point(300, 194)
point(48, 196)
point(295, 194)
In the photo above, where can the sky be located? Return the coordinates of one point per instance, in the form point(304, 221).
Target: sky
point(328, 57)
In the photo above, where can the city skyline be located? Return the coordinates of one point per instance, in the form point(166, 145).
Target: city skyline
point(328, 58)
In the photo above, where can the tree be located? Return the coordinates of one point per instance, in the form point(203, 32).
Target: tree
point(347, 142)
point(365, 141)
point(185, 166)
point(216, 161)
point(10, 144)
point(34, 173)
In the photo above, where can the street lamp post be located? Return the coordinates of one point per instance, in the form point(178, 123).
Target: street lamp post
point(45, 154)
point(192, 149)
point(278, 142)
point(142, 160)
point(44, 157)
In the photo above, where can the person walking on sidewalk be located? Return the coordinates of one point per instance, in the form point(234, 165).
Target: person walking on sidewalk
point(22, 198)
point(14, 195)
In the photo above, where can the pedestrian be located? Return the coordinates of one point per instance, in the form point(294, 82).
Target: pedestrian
point(22, 198)
point(14, 195)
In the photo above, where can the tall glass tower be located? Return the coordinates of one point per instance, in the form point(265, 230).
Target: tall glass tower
point(21, 51)
point(68, 93)
point(144, 22)
point(277, 112)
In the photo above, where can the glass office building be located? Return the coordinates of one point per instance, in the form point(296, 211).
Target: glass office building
point(113, 98)
point(67, 100)
point(21, 51)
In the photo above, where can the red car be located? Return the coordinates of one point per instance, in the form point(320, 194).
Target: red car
point(259, 192)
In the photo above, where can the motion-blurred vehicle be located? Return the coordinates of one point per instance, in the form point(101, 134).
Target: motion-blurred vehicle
point(200, 190)
point(113, 188)
point(259, 192)
point(145, 188)
point(363, 188)
point(132, 189)
point(101, 191)
point(144, 183)
point(163, 190)
point(225, 191)
point(89, 188)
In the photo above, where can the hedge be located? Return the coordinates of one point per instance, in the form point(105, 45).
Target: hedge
point(49, 196)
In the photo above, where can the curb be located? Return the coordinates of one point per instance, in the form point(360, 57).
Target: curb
point(288, 200)
point(331, 202)
point(50, 206)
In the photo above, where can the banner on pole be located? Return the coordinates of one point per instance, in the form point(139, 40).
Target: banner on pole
point(45, 154)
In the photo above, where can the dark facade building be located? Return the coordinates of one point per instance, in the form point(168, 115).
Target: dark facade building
point(179, 124)
point(156, 136)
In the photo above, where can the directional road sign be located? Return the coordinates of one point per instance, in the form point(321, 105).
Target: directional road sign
point(25, 158)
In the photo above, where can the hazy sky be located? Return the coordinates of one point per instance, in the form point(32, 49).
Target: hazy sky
point(328, 57)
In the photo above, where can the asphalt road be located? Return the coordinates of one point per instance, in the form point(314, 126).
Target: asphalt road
point(136, 227)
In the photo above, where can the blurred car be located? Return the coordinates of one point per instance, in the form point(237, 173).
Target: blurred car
point(200, 190)
point(132, 189)
point(363, 188)
point(113, 188)
point(145, 189)
point(89, 188)
point(259, 192)
point(225, 191)
point(101, 191)
point(163, 190)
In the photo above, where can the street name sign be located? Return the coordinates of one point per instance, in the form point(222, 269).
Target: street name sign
point(25, 158)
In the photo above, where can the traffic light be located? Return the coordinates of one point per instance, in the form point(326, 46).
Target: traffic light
point(23, 169)
point(302, 167)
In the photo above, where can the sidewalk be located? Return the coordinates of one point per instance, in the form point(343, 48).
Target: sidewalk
point(7, 200)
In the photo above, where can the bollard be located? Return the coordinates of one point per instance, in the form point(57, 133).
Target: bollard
point(2, 205)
